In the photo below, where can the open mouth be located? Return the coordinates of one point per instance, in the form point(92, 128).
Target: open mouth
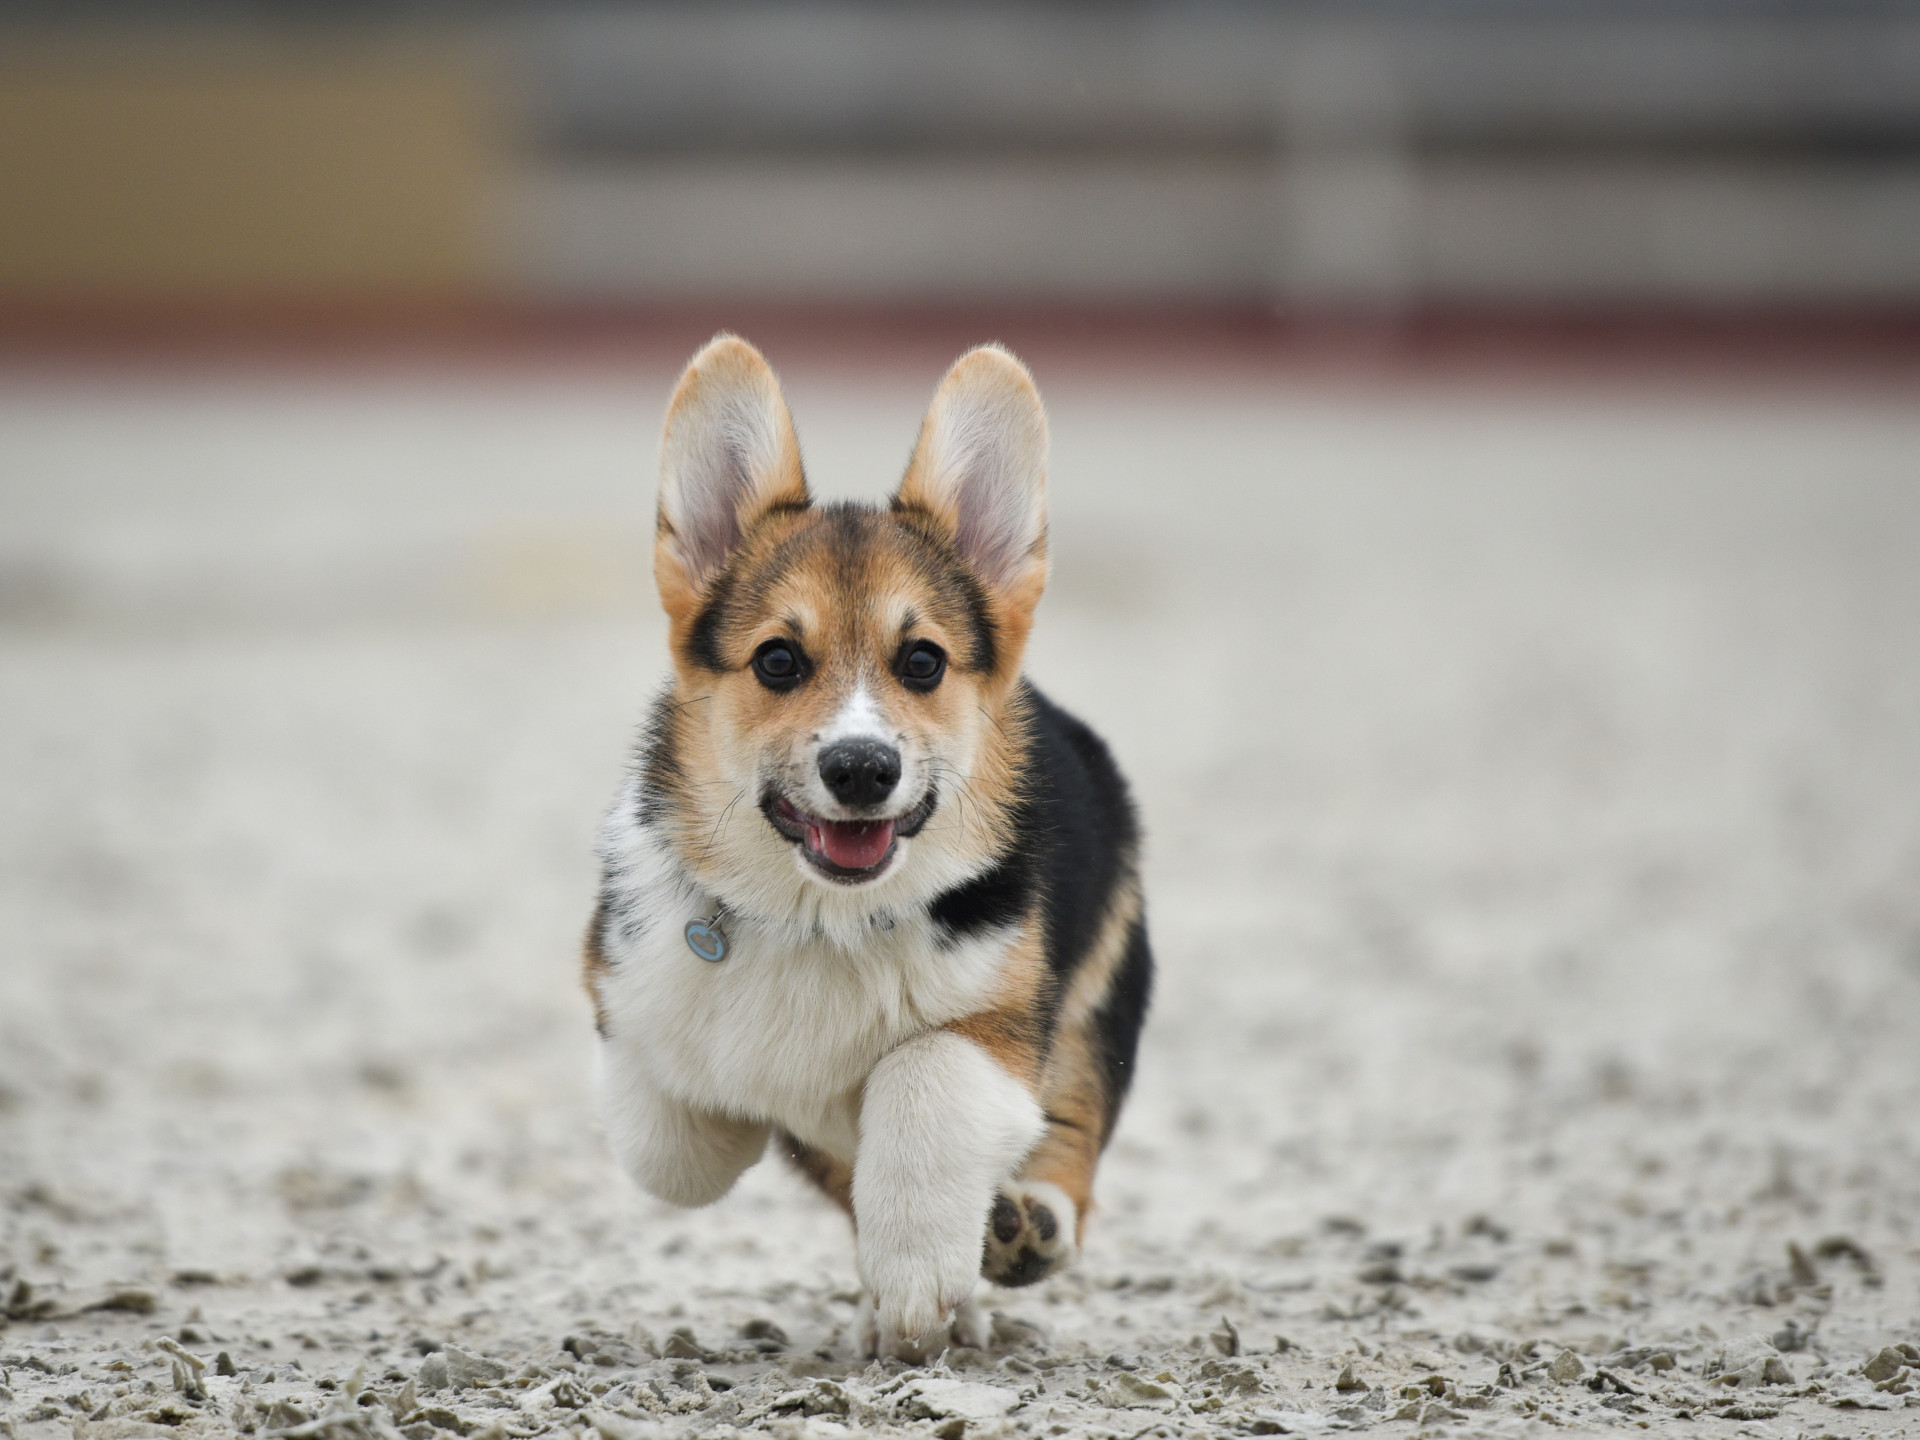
point(846, 850)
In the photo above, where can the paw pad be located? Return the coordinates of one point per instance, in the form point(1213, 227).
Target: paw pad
point(1006, 1220)
point(1029, 1234)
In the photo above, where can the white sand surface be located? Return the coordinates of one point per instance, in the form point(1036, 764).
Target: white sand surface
point(1532, 783)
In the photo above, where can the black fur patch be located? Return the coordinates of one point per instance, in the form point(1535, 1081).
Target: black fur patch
point(1118, 1020)
point(1081, 828)
point(703, 639)
point(618, 915)
point(989, 901)
point(1074, 839)
point(662, 777)
point(1074, 833)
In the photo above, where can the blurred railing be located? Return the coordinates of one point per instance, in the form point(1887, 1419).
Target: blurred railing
point(1363, 155)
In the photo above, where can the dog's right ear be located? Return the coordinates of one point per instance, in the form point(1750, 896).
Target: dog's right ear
point(728, 460)
point(979, 476)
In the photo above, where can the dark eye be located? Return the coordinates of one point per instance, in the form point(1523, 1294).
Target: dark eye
point(923, 665)
point(777, 666)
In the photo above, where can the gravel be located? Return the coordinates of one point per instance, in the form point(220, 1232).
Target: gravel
point(1530, 784)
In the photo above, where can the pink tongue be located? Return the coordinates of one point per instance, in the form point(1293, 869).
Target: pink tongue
point(852, 845)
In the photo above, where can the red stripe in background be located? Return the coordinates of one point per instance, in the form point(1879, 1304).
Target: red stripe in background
point(1877, 346)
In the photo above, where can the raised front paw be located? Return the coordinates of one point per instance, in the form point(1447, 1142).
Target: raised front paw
point(1029, 1233)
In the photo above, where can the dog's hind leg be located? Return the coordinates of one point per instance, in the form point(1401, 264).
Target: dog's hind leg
point(1039, 1218)
point(834, 1177)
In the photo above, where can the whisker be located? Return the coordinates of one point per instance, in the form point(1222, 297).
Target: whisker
point(713, 837)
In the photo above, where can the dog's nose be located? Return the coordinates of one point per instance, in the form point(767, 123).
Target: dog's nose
point(860, 772)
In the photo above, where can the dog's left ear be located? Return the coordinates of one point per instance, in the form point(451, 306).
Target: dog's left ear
point(979, 473)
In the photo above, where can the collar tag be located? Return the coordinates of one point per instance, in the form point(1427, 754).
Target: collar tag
point(706, 939)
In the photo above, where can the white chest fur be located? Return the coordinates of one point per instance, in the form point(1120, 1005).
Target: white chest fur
point(785, 1029)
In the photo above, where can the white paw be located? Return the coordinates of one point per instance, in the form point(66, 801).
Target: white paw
point(970, 1325)
point(1030, 1233)
point(940, 1122)
point(918, 1286)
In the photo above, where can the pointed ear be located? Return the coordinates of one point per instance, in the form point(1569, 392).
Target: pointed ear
point(980, 473)
point(729, 458)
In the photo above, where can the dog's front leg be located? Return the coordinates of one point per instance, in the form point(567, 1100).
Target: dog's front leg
point(941, 1124)
point(678, 1153)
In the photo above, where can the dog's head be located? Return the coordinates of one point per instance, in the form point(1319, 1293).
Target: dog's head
point(845, 724)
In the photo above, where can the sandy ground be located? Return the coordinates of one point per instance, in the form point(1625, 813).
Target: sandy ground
point(1531, 785)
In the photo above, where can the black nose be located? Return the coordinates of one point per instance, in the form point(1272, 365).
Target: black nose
point(860, 772)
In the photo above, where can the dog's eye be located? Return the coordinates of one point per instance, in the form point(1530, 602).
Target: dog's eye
point(923, 665)
point(777, 666)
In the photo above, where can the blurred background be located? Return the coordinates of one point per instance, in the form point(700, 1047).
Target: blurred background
point(1486, 496)
point(1371, 156)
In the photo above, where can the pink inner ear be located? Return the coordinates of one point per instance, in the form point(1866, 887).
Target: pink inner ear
point(731, 451)
point(988, 529)
point(710, 526)
point(982, 460)
point(996, 522)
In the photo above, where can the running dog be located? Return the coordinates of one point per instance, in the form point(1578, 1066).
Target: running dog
point(865, 889)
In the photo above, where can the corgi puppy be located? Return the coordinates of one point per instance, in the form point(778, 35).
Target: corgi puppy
point(867, 892)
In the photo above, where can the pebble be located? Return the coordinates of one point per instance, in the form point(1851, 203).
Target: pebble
point(1884, 1366)
point(766, 1333)
point(462, 1369)
point(1477, 1274)
point(1791, 1336)
point(682, 1346)
point(1566, 1367)
point(1749, 1361)
point(1127, 1390)
point(131, 1302)
point(938, 1398)
point(1226, 1339)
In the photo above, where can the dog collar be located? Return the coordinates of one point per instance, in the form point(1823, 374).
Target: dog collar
point(709, 941)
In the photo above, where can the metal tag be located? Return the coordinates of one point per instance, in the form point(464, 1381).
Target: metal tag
point(706, 939)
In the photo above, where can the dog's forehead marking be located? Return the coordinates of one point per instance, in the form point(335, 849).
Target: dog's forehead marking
point(849, 583)
point(848, 604)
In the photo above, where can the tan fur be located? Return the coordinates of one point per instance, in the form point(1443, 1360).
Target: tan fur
point(1074, 1090)
point(1009, 1029)
point(594, 967)
point(834, 1177)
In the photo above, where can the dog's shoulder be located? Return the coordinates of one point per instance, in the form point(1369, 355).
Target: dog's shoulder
point(1074, 841)
point(1075, 783)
